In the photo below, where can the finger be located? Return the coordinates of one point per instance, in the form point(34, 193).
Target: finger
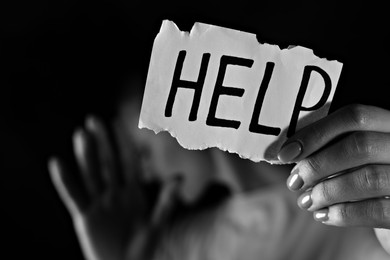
point(67, 186)
point(369, 213)
point(87, 160)
point(372, 181)
point(166, 200)
point(348, 119)
point(142, 190)
point(383, 236)
point(129, 158)
point(355, 150)
point(104, 150)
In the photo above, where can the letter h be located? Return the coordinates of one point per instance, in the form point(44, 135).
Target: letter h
point(179, 83)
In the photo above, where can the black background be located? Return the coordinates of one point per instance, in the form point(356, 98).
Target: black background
point(61, 60)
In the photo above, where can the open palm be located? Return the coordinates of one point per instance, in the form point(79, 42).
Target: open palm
point(106, 206)
point(119, 215)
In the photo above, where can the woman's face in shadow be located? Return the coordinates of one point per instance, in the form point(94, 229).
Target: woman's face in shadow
point(161, 156)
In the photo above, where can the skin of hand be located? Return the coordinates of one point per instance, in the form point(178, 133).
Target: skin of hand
point(343, 168)
point(120, 213)
point(116, 214)
point(105, 210)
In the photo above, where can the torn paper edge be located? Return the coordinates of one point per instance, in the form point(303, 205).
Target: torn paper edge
point(200, 28)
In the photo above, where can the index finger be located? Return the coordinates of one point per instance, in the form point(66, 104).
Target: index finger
point(348, 119)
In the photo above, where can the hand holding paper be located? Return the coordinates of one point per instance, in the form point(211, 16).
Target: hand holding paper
point(217, 87)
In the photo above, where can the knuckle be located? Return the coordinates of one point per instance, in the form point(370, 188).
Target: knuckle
point(374, 210)
point(373, 179)
point(383, 180)
point(317, 133)
point(314, 163)
point(386, 212)
point(344, 213)
point(359, 145)
point(367, 180)
point(370, 212)
point(358, 115)
point(327, 192)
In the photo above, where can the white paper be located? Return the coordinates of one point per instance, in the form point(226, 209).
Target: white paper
point(278, 102)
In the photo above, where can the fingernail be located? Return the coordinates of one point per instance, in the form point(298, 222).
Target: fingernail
point(321, 215)
point(290, 151)
point(294, 181)
point(304, 201)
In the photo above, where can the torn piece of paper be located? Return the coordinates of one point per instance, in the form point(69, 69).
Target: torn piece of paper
point(218, 87)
